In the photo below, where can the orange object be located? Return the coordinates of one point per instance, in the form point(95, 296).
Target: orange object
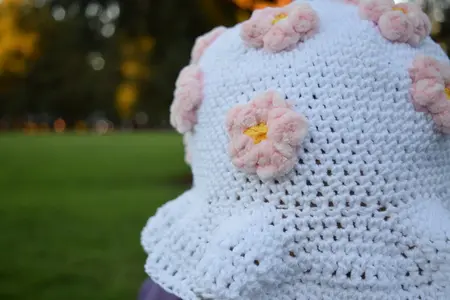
point(81, 126)
point(59, 125)
point(130, 69)
point(399, 8)
point(126, 96)
point(245, 4)
point(258, 4)
point(279, 17)
point(258, 133)
point(146, 43)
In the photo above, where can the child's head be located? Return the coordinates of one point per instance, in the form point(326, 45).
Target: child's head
point(317, 139)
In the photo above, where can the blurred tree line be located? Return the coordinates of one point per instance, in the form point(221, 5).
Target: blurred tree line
point(83, 59)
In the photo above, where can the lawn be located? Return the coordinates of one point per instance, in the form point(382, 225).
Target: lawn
point(72, 208)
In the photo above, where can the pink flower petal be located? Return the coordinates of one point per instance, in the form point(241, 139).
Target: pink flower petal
point(233, 118)
point(203, 42)
point(304, 20)
point(443, 104)
point(188, 97)
point(241, 145)
point(268, 100)
point(419, 108)
point(373, 9)
point(404, 22)
point(188, 75)
point(445, 72)
point(396, 26)
point(246, 155)
point(247, 118)
point(422, 27)
point(273, 152)
point(278, 39)
point(242, 117)
point(287, 126)
point(430, 79)
point(272, 163)
point(254, 30)
point(265, 29)
point(427, 92)
point(442, 121)
point(425, 67)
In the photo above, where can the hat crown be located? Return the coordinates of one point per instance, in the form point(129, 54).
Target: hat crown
point(364, 211)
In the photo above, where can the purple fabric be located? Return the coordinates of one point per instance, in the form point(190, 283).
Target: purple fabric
point(151, 291)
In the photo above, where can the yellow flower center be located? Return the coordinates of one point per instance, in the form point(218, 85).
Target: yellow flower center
point(279, 17)
point(402, 9)
point(258, 132)
point(447, 92)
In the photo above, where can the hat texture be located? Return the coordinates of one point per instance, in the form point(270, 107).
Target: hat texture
point(318, 139)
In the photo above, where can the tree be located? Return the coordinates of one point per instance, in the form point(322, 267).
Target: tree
point(135, 70)
point(74, 70)
point(18, 50)
point(173, 25)
point(17, 44)
point(117, 57)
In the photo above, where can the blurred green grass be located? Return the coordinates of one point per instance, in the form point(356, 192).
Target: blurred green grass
point(72, 209)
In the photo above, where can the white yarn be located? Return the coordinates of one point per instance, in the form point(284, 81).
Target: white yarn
point(365, 212)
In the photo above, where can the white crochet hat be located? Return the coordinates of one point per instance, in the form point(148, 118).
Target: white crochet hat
point(317, 139)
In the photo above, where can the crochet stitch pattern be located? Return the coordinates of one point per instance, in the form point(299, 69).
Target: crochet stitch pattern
point(203, 42)
point(364, 212)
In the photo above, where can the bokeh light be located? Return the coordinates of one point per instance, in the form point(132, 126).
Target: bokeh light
point(102, 127)
point(59, 125)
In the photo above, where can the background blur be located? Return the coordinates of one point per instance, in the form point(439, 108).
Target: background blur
point(86, 152)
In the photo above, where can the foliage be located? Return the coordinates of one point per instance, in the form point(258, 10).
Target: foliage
point(17, 45)
point(134, 70)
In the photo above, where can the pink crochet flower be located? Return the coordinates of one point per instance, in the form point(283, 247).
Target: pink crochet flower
point(188, 97)
point(277, 29)
point(264, 135)
point(442, 121)
point(403, 22)
point(203, 42)
point(430, 91)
